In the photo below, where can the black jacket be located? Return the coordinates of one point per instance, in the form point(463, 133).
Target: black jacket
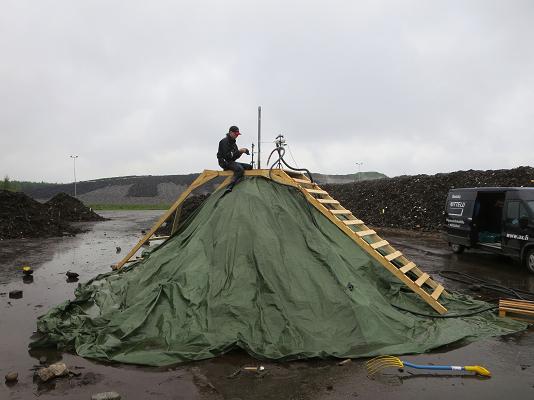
point(228, 151)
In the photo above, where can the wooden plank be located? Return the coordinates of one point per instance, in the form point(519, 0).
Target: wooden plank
point(379, 244)
point(328, 201)
point(134, 260)
point(304, 181)
point(225, 183)
point(422, 279)
point(516, 305)
point(365, 233)
point(294, 174)
point(525, 304)
point(158, 238)
point(340, 212)
point(353, 222)
point(393, 255)
point(517, 311)
point(407, 267)
point(437, 292)
point(316, 191)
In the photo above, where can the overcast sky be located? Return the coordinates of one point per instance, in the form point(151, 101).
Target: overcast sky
point(150, 87)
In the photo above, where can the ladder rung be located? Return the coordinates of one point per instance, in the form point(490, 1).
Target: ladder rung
point(422, 279)
point(302, 181)
point(353, 222)
point(407, 267)
point(340, 212)
point(365, 233)
point(327, 201)
point(393, 256)
point(377, 245)
point(437, 292)
point(315, 191)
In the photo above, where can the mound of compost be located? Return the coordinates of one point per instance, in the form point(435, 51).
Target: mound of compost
point(188, 207)
point(23, 217)
point(418, 201)
point(70, 209)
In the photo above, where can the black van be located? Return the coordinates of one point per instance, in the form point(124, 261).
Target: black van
point(499, 219)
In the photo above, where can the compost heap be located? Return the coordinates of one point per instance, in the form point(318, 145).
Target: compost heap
point(418, 201)
point(262, 270)
point(188, 207)
point(71, 209)
point(23, 217)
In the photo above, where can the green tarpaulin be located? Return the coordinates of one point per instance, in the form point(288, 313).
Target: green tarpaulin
point(262, 270)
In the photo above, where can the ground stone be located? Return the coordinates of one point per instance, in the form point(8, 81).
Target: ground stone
point(15, 294)
point(53, 371)
point(12, 377)
point(72, 275)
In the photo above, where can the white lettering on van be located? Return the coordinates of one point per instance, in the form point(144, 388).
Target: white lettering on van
point(517, 237)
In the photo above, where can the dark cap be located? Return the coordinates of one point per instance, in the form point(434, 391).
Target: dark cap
point(234, 129)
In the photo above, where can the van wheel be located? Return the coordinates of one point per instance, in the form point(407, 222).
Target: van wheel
point(529, 260)
point(457, 248)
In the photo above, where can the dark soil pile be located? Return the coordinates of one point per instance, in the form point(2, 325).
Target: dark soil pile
point(23, 217)
point(418, 202)
point(70, 209)
point(188, 207)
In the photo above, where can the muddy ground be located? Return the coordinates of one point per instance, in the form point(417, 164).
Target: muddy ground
point(510, 359)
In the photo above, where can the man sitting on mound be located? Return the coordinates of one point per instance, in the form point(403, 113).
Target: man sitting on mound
point(228, 153)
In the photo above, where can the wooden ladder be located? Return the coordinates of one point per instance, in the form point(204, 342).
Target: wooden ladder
point(393, 260)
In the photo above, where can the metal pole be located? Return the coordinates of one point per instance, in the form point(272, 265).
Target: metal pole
point(359, 164)
point(259, 137)
point(74, 159)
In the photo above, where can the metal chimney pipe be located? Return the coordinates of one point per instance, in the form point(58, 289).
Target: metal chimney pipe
point(259, 137)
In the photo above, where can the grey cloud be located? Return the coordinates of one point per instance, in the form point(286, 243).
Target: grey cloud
point(150, 87)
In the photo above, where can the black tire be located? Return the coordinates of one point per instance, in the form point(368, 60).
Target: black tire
point(529, 260)
point(457, 248)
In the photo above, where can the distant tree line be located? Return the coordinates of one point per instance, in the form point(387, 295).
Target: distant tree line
point(17, 186)
point(7, 184)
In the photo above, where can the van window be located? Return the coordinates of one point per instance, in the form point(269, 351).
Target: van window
point(530, 204)
point(512, 211)
point(522, 211)
point(515, 210)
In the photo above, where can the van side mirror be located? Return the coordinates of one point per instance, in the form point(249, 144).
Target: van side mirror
point(523, 222)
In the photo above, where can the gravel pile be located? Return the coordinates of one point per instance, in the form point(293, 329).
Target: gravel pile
point(417, 202)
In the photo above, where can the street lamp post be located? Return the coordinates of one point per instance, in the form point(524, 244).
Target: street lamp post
point(74, 159)
point(359, 164)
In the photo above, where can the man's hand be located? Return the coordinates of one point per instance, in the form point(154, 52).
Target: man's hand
point(244, 150)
